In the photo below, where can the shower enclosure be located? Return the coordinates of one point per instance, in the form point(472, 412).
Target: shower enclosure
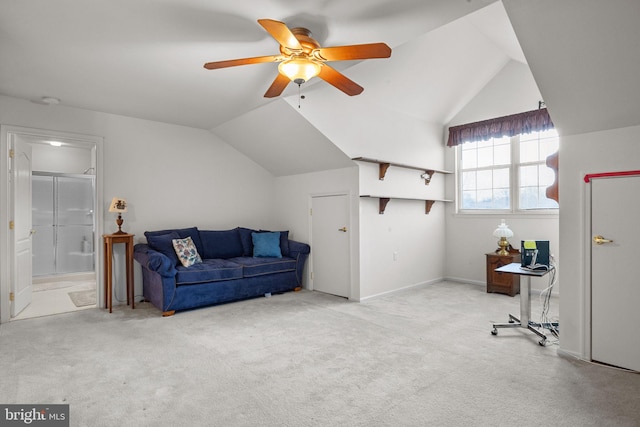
point(63, 221)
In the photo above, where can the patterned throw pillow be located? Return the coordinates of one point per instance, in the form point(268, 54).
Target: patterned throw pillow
point(186, 251)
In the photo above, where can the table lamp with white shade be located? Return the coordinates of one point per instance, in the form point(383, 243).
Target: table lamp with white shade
point(118, 205)
point(503, 232)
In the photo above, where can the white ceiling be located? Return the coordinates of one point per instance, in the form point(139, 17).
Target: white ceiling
point(144, 58)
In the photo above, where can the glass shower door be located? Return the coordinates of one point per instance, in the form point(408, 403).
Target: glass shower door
point(43, 222)
point(75, 210)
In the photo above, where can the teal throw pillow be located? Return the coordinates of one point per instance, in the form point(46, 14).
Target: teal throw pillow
point(266, 245)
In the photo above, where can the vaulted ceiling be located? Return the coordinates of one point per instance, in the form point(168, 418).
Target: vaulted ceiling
point(145, 59)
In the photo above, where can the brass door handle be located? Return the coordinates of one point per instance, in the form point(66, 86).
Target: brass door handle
point(599, 240)
point(343, 229)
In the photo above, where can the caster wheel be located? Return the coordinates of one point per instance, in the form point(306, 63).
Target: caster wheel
point(512, 321)
point(542, 342)
point(494, 332)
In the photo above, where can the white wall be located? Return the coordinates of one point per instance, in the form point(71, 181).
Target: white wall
point(293, 200)
point(607, 151)
point(389, 135)
point(469, 237)
point(172, 176)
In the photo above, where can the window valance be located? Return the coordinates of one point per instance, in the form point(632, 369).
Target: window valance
point(515, 124)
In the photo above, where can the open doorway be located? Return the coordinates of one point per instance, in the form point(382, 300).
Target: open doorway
point(62, 193)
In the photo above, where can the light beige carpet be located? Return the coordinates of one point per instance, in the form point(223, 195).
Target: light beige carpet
point(422, 357)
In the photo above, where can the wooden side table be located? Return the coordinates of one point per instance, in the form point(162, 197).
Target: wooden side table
point(109, 241)
point(502, 282)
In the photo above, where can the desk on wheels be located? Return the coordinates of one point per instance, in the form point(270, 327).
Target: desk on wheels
point(525, 302)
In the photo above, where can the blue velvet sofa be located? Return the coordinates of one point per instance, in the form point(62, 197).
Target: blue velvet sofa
point(231, 268)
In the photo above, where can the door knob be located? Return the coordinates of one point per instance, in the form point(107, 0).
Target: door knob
point(599, 240)
point(32, 232)
point(343, 229)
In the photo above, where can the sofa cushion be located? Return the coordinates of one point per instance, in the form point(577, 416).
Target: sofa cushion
point(260, 266)
point(186, 251)
point(221, 244)
point(266, 244)
point(245, 239)
point(182, 232)
point(163, 243)
point(209, 270)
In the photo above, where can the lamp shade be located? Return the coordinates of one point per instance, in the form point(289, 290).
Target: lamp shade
point(503, 231)
point(118, 205)
point(299, 69)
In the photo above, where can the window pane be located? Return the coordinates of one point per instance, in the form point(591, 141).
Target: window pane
point(546, 175)
point(485, 157)
point(501, 199)
point(469, 200)
point(485, 199)
point(548, 147)
point(544, 202)
point(485, 179)
point(469, 180)
point(502, 154)
point(529, 176)
point(501, 178)
point(529, 152)
point(528, 197)
point(486, 167)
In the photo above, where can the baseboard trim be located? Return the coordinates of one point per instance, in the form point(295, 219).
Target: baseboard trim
point(404, 288)
point(469, 281)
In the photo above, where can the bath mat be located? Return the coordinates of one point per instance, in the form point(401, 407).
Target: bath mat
point(83, 298)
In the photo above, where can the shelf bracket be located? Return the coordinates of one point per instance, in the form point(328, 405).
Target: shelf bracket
point(383, 204)
point(427, 206)
point(383, 170)
point(427, 176)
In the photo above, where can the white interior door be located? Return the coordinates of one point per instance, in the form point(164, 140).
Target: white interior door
point(330, 253)
point(21, 278)
point(615, 287)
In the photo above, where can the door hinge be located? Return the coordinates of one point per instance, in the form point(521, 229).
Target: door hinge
point(12, 296)
point(12, 225)
point(311, 212)
point(11, 153)
point(312, 275)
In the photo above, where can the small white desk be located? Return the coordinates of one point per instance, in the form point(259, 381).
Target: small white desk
point(525, 302)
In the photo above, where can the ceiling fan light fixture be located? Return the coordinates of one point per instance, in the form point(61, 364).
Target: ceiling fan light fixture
point(299, 69)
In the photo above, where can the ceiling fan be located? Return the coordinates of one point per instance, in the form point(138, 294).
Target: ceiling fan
point(302, 58)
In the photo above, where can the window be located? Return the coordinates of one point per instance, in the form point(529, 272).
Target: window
point(507, 173)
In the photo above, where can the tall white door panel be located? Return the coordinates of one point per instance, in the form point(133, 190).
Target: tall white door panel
point(615, 283)
point(21, 282)
point(330, 251)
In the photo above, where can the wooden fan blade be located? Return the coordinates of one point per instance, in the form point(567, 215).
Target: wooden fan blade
point(339, 80)
point(357, 51)
point(277, 86)
point(281, 33)
point(243, 61)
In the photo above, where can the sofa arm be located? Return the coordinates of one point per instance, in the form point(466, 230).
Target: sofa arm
point(154, 260)
point(299, 251)
point(296, 248)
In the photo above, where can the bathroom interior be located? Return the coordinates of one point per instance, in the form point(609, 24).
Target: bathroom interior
point(63, 228)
